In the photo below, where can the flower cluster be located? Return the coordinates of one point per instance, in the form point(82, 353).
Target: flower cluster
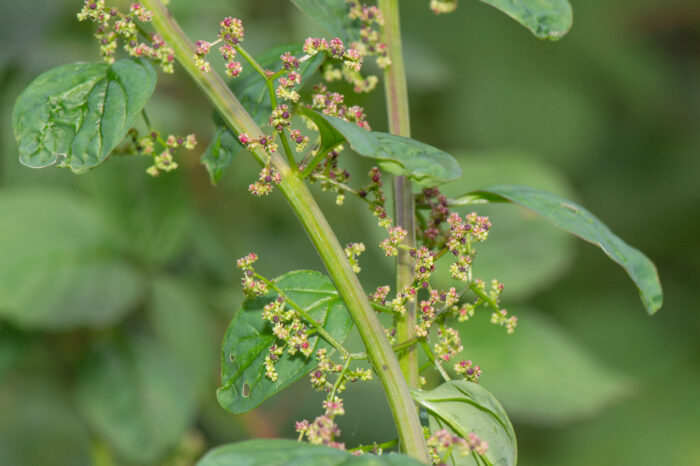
point(332, 103)
point(443, 443)
point(231, 34)
point(126, 29)
point(163, 160)
point(352, 252)
point(280, 117)
point(263, 186)
point(449, 344)
point(323, 430)
point(289, 329)
point(391, 244)
point(468, 370)
point(299, 139)
point(251, 286)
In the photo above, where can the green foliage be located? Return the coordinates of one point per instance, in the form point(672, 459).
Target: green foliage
point(424, 164)
point(577, 220)
point(220, 153)
point(60, 268)
point(249, 337)
point(76, 114)
point(546, 19)
point(540, 373)
point(331, 15)
point(464, 407)
point(281, 452)
point(136, 396)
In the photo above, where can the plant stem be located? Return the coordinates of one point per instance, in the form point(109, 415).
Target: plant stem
point(380, 353)
point(389, 444)
point(399, 124)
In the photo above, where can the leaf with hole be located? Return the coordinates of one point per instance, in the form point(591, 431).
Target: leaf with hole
point(285, 452)
point(424, 164)
point(75, 115)
point(546, 19)
point(465, 407)
point(249, 336)
point(575, 219)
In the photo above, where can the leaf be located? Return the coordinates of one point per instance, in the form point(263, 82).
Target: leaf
point(59, 269)
point(546, 19)
point(285, 452)
point(248, 338)
point(137, 397)
point(76, 114)
point(39, 425)
point(181, 322)
point(464, 407)
point(522, 251)
point(220, 153)
point(540, 373)
point(331, 15)
point(573, 218)
point(150, 218)
point(424, 164)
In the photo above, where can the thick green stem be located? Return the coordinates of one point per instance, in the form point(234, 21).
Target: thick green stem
point(399, 123)
point(379, 350)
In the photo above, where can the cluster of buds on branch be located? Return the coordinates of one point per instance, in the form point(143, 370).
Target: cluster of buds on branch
point(126, 28)
point(231, 33)
point(442, 444)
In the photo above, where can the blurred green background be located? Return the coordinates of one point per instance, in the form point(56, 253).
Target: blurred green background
point(116, 289)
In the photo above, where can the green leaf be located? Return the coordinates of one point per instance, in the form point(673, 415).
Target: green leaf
point(573, 218)
point(181, 322)
point(540, 373)
point(248, 338)
point(76, 114)
point(220, 153)
point(424, 164)
point(331, 15)
point(137, 397)
point(285, 452)
point(522, 251)
point(464, 407)
point(546, 19)
point(59, 269)
point(39, 426)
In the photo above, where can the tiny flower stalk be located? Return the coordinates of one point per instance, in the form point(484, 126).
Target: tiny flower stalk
point(399, 124)
point(379, 350)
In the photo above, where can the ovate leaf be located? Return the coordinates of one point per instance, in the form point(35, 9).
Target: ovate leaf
point(248, 338)
point(575, 219)
point(424, 164)
point(220, 153)
point(283, 452)
point(137, 397)
point(331, 15)
point(465, 407)
point(59, 269)
point(546, 19)
point(76, 114)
